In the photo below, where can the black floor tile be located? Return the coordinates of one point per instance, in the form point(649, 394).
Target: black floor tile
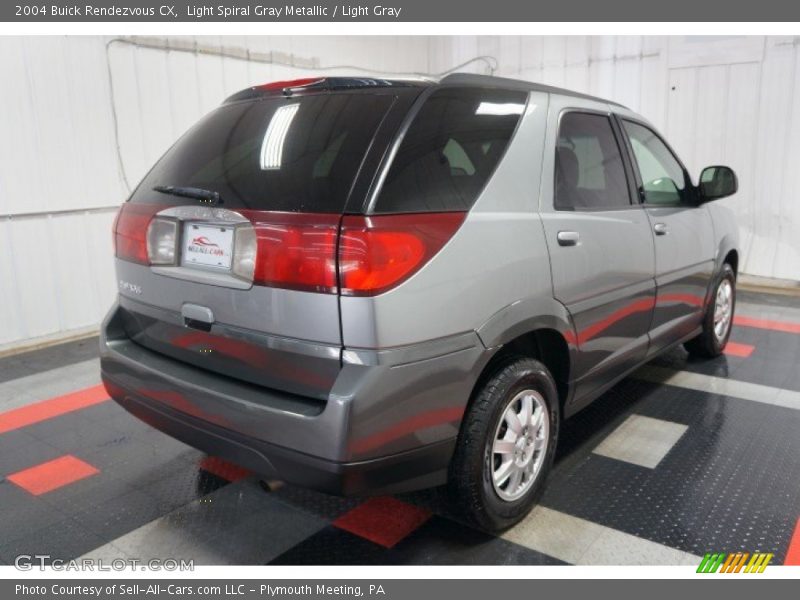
point(62, 540)
point(442, 541)
point(183, 486)
point(85, 436)
point(333, 546)
point(26, 457)
point(15, 440)
point(773, 361)
point(45, 359)
point(729, 484)
point(23, 512)
point(87, 493)
point(120, 515)
point(315, 503)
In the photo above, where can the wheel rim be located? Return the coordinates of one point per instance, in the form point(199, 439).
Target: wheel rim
point(519, 445)
point(723, 309)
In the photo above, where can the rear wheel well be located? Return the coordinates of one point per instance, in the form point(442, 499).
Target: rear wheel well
point(732, 258)
point(547, 346)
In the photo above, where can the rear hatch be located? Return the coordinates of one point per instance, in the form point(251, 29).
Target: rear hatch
point(227, 250)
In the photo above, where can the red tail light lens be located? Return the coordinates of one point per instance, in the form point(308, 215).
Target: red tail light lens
point(379, 252)
point(130, 231)
point(299, 250)
point(295, 251)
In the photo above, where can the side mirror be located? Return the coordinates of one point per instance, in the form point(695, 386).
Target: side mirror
point(717, 182)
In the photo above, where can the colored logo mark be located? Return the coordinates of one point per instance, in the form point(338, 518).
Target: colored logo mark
point(734, 563)
point(204, 241)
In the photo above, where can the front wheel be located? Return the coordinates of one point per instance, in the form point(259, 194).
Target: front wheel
point(506, 446)
point(718, 320)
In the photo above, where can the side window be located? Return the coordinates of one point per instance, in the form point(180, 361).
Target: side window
point(589, 170)
point(450, 150)
point(663, 178)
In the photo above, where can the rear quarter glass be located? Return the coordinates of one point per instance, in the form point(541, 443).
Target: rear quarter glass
point(450, 150)
point(295, 154)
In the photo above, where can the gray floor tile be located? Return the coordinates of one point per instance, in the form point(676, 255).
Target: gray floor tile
point(640, 440)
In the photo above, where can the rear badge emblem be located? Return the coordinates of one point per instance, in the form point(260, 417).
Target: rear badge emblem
point(130, 287)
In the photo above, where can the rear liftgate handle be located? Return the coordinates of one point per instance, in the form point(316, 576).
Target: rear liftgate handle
point(197, 317)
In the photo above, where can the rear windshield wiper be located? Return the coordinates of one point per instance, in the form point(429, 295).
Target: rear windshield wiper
point(207, 196)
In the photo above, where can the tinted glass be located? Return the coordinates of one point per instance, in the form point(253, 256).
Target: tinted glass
point(282, 154)
point(450, 150)
point(663, 178)
point(589, 169)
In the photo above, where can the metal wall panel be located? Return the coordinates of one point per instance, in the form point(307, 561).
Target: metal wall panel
point(719, 99)
point(87, 117)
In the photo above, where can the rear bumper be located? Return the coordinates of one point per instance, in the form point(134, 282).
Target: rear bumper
point(389, 424)
point(414, 469)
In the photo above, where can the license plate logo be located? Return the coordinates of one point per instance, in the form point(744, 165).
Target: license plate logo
point(208, 246)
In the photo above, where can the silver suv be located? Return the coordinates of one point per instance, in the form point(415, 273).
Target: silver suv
point(376, 286)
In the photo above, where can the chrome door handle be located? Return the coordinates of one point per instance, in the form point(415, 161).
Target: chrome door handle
point(660, 228)
point(568, 238)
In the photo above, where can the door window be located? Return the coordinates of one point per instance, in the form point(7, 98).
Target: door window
point(663, 177)
point(589, 170)
point(451, 150)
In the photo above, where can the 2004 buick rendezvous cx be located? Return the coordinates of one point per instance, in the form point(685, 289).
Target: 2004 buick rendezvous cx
point(363, 285)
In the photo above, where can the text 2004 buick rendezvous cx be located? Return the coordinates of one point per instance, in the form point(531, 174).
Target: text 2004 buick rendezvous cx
point(364, 286)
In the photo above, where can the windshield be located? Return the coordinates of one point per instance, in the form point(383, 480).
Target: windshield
point(278, 154)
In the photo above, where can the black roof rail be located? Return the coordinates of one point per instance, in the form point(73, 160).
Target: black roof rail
point(471, 79)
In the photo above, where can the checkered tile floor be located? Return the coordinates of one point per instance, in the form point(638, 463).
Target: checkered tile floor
point(682, 458)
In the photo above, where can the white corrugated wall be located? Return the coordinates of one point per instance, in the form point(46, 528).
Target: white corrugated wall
point(70, 144)
point(731, 100)
point(65, 167)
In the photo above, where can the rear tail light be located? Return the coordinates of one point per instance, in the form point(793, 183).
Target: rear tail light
point(130, 231)
point(162, 240)
point(379, 252)
point(324, 253)
point(295, 250)
point(299, 251)
point(245, 253)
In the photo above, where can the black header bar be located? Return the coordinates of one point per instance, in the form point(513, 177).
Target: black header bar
point(403, 11)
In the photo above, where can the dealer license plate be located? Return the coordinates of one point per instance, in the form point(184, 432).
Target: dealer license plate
point(206, 245)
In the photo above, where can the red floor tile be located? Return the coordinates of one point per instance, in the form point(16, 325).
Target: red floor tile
point(793, 552)
point(224, 469)
point(740, 350)
point(52, 475)
point(784, 326)
point(54, 407)
point(384, 520)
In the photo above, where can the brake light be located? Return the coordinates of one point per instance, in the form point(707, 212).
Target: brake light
point(295, 250)
point(291, 83)
point(130, 231)
point(379, 252)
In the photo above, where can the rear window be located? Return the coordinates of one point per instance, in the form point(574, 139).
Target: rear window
point(279, 154)
point(450, 150)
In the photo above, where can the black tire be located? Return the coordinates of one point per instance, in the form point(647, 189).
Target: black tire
point(708, 344)
point(470, 486)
